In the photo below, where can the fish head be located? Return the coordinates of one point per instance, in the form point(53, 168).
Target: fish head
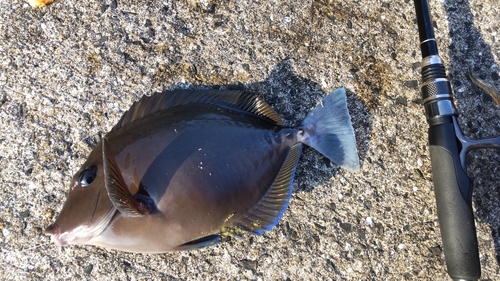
point(88, 209)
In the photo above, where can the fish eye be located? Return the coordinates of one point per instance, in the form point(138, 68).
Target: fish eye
point(87, 176)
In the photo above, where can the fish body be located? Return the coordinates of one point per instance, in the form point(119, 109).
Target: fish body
point(182, 168)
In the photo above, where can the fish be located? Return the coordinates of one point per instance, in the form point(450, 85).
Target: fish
point(184, 168)
point(485, 86)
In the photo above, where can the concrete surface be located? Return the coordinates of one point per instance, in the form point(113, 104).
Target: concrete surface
point(69, 70)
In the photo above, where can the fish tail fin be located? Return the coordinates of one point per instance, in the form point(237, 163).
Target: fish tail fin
point(328, 129)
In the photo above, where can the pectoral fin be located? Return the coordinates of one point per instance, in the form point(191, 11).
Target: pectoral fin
point(117, 189)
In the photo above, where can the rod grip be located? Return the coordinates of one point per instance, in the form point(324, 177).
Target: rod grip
point(453, 191)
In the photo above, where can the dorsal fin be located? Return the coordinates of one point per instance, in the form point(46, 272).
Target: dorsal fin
point(169, 99)
point(269, 210)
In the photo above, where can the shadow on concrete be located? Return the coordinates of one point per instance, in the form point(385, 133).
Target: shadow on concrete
point(479, 113)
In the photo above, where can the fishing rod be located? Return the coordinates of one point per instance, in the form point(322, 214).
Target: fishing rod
point(448, 150)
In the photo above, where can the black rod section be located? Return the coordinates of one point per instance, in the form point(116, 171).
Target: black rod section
point(452, 186)
point(428, 45)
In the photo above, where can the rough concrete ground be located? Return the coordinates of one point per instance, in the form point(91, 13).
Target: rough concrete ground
point(69, 70)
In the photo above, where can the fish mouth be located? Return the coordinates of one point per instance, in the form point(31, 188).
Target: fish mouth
point(55, 232)
point(78, 235)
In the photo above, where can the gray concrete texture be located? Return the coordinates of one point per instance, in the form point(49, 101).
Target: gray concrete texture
point(68, 72)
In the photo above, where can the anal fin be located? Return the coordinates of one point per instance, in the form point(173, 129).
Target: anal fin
point(117, 189)
point(269, 210)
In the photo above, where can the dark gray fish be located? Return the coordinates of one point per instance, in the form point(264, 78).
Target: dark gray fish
point(182, 168)
point(485, 86)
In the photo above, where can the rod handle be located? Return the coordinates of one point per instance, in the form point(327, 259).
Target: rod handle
point(453, 192)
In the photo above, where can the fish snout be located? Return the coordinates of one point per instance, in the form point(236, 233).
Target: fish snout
point(54, 231)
